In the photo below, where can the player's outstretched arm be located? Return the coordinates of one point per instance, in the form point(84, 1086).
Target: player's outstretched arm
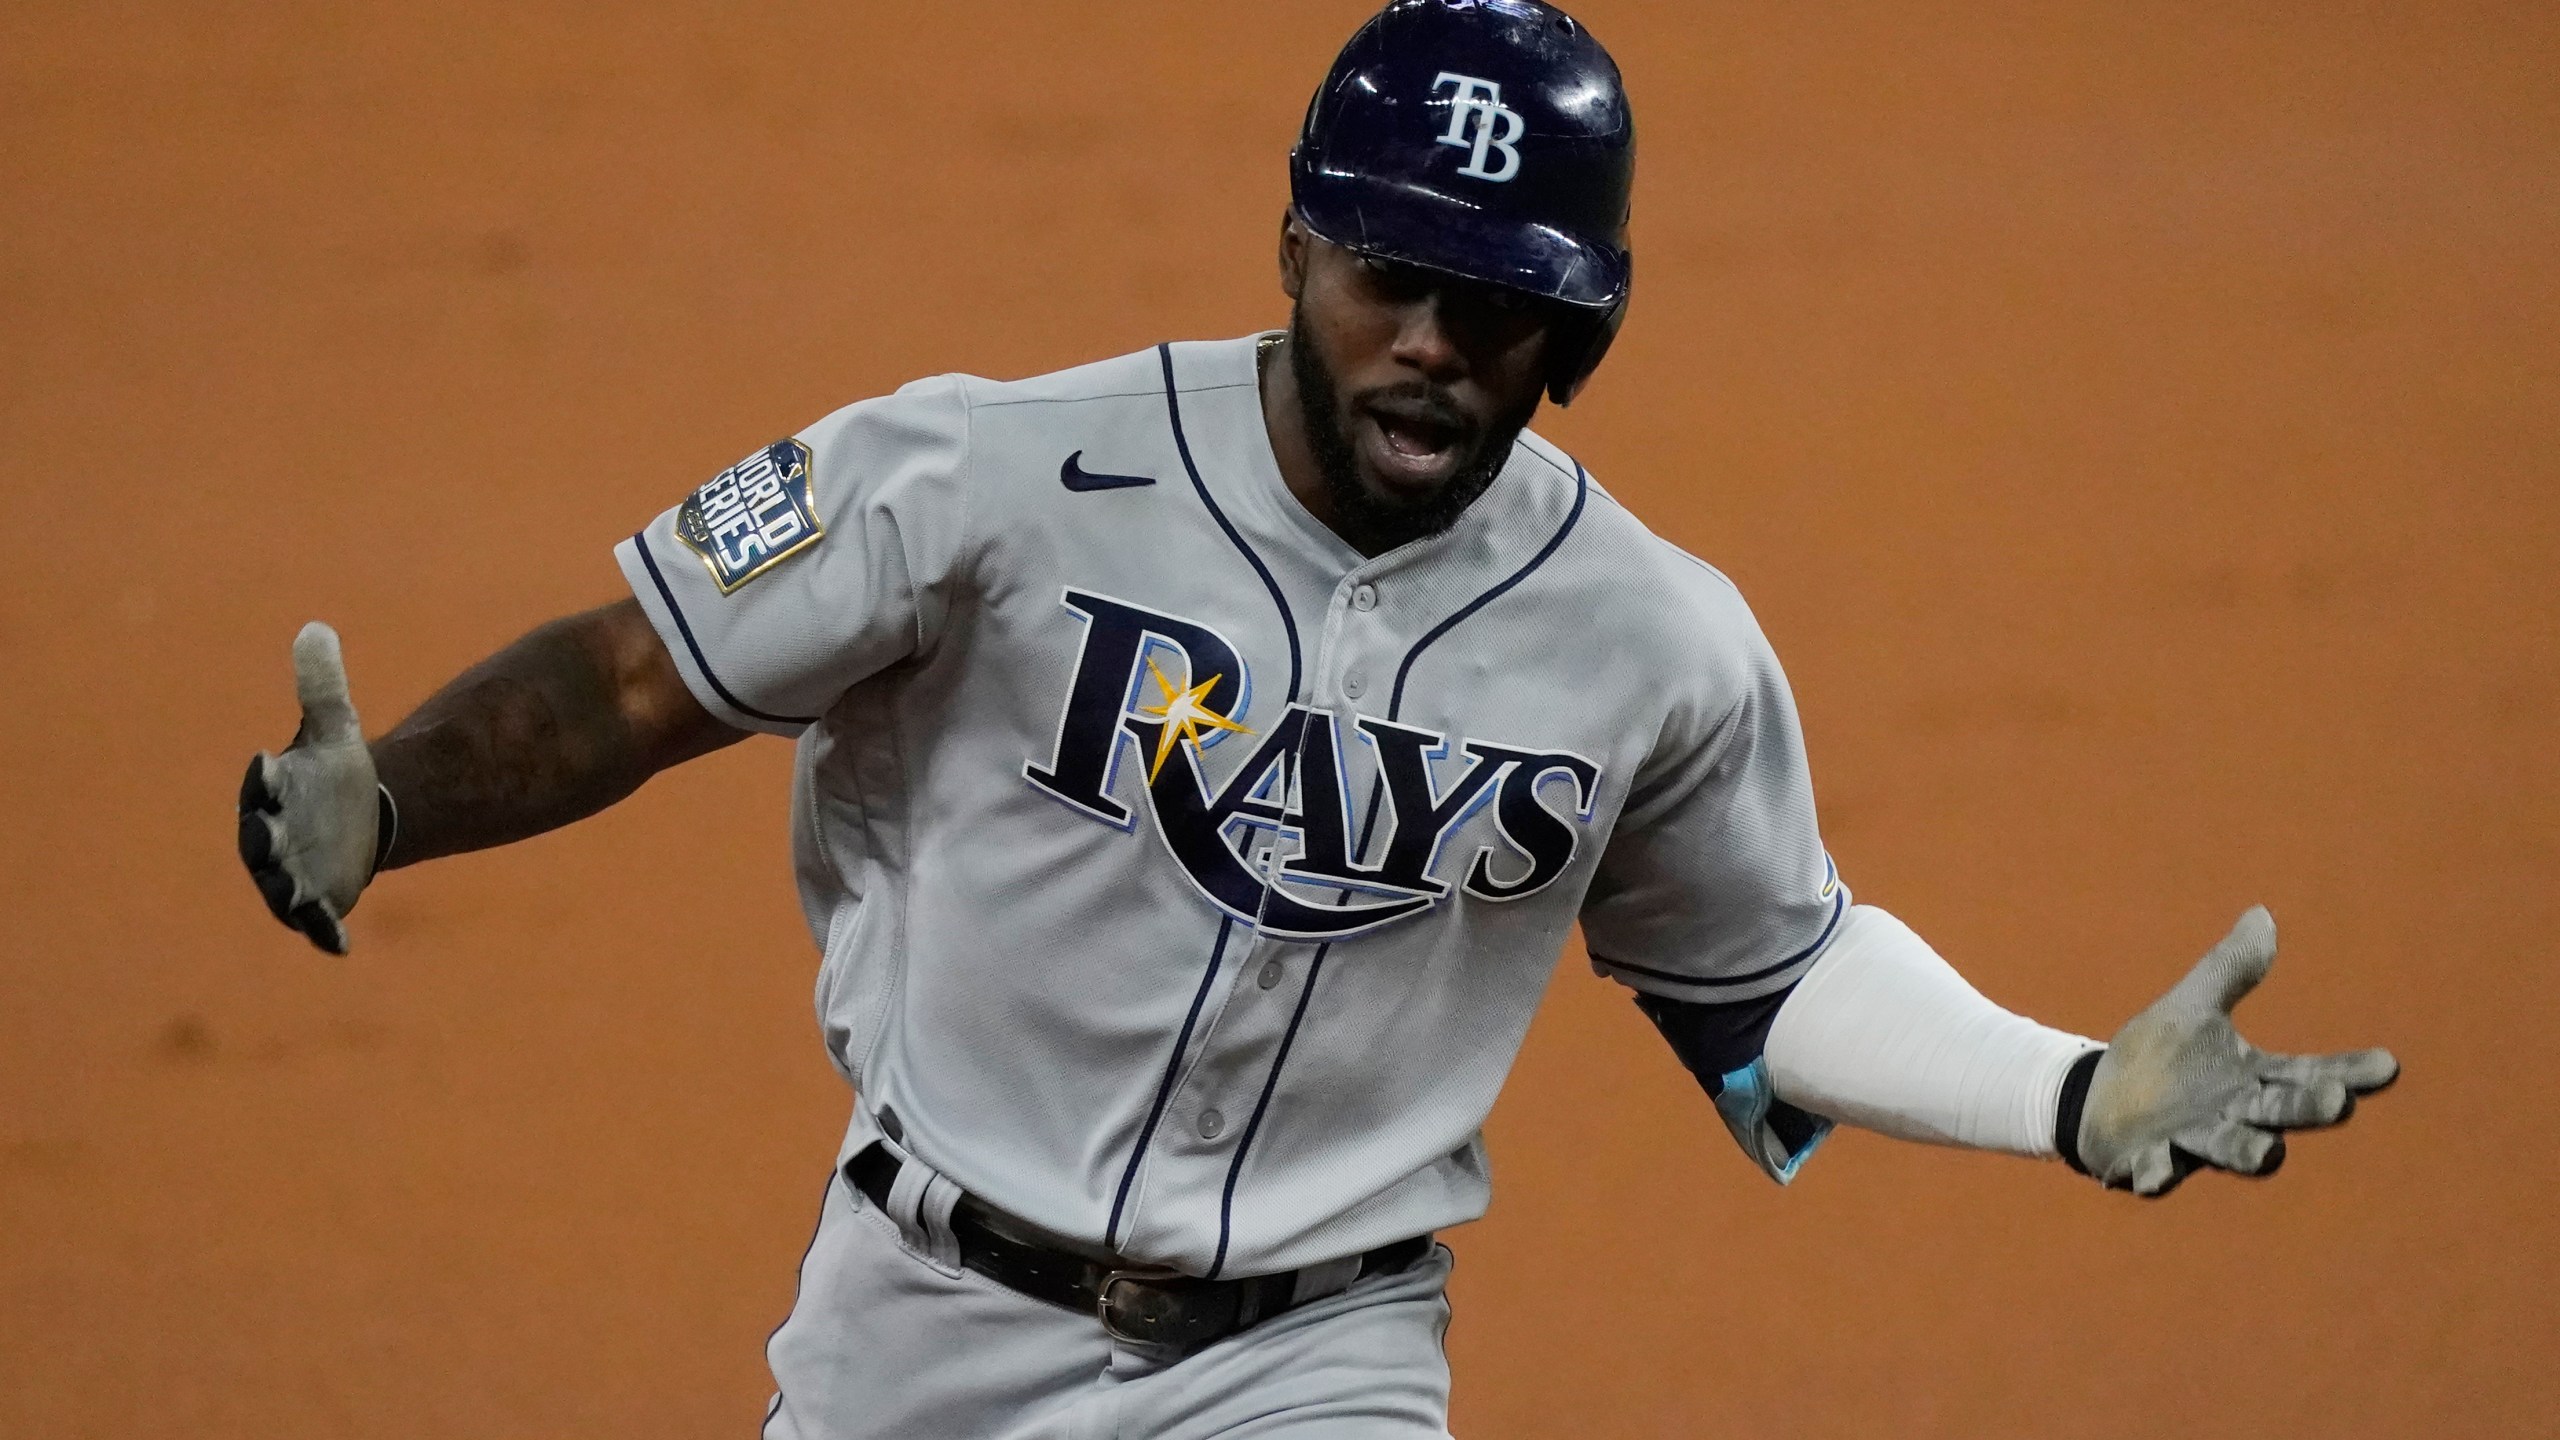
point(552, 729)
point(1885, 1035)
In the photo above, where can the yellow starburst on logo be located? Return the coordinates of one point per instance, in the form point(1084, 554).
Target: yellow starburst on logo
point(1185, 714)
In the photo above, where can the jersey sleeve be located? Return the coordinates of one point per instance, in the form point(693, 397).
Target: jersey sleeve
point(817, 561)
point(1715, 886)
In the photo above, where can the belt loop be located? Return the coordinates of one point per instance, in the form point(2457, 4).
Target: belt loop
point(920, 1202)
point(933, 1208)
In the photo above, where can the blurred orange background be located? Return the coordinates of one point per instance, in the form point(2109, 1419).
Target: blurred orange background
point(2134, 423)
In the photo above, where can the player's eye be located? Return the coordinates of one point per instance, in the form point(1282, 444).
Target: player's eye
point(1395, 280)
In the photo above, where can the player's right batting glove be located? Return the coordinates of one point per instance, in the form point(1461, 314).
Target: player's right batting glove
point(314, 823)
point(2179, 1090)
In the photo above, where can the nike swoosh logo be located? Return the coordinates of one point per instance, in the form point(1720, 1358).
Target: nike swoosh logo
point(1075, 477)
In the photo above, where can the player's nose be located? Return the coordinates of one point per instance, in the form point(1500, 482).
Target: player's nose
point(1424, 341)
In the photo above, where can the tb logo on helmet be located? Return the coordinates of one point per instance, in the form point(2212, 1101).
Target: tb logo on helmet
point(1479, 103)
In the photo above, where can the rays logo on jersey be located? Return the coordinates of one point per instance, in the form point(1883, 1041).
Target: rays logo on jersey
point(1275, 843)
point(753, 515)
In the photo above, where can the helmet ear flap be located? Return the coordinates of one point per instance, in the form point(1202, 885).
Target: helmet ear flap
point(1580, 343)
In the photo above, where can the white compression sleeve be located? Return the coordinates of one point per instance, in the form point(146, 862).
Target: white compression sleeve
point(1884, 1035)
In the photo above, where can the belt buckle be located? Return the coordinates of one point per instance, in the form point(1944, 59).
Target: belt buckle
point(1148, 1278)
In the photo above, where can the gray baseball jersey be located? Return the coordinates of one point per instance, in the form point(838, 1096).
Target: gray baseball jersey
point(1186, 880)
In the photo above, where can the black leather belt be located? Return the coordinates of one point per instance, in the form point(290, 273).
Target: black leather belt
point(1139, 1304)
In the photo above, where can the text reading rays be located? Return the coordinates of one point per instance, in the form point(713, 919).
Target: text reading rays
point(1289, 802)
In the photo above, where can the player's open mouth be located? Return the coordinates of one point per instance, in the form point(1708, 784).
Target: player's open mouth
point(1414, 449)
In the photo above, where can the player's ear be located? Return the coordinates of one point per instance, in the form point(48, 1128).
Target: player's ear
point(1293, 254)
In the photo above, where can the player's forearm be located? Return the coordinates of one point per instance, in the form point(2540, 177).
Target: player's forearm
point(555, 727)
point(1884, 1035)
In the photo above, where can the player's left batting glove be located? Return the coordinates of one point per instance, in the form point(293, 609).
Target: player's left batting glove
point(314, 823)
point(2178, 1089)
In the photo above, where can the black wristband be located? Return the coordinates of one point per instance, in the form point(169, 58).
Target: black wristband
point(2075, 1098)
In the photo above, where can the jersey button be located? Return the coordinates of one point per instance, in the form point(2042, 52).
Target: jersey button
point(1211, 1122)
point(1270, 975)
point(1353, 684)
point(1365, 598)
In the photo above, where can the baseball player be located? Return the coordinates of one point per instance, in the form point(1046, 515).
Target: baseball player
point(1203, 756)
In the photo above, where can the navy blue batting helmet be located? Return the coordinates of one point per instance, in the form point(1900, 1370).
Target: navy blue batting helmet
point(1488, 139)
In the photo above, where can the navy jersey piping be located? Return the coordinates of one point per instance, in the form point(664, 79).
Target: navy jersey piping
point(1368, 827)
point(1059, 399)
point(1270, 1083)
point(1404, 672)
point(1839, 906)
point(1164, 1090)
point(1289, 626)
point(640, 542)
point(1182, 445)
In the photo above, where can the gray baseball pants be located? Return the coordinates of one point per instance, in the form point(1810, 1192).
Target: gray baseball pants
point(884, 1342)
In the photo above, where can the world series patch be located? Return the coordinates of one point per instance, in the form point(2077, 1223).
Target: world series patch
point(753, 515)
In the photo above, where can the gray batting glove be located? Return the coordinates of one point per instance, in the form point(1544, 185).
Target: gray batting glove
point(2178, 1089)
point(314, 823)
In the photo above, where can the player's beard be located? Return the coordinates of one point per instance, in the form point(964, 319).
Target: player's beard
point(1387, 524)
